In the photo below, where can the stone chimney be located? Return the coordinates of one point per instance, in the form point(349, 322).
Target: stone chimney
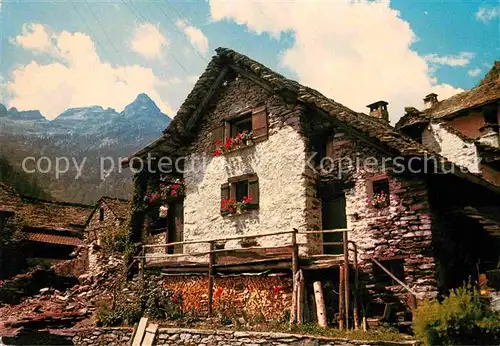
point(379, 110)
point(430, 100)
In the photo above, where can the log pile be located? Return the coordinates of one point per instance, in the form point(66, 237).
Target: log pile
point(263, 296)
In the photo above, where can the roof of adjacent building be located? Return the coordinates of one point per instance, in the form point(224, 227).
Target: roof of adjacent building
point(55, 239)
point(119, 207)
point(38, 213)
point(487, 91)
point(379, 132)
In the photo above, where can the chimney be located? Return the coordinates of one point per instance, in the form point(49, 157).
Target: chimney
point(379, 110)
point(430, 100)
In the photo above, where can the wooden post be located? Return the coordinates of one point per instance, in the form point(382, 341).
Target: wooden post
point(341, 297)
point(295, 253)
point(320, 304)
point(143, 262)
point(293, 309)
point(211, 262)
point(355, 302)
point(295, 268)
point(346, 278)
point(300, 297)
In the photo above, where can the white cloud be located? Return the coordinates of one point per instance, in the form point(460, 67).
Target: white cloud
point(79, 78)
point(34, 37)
point(486, 14)
point(355, 52)
point(148, 41)
point(461, 59)
point(474, 72)
point(195, 35)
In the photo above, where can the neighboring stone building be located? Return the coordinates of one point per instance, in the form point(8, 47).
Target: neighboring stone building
point(107, 219)
point(463, 128)
point(50, 231)
point(299, 170)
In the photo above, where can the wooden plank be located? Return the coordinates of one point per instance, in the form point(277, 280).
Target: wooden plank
point(211, 262)
point(346, 279)
point(394, 277)
point(150, 336)
point(139, 332)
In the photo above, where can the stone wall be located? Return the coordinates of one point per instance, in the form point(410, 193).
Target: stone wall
point(279, 163)
point(96, 229)
point(400, 231)
point(452, 146)
point(177, 336)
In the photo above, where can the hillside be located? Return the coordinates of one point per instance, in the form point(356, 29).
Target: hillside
point(85, 133)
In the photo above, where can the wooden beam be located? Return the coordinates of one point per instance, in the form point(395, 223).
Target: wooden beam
point(341, 298)
point(320, 304)
point(300, 297)
point(211, 263)
point(193, 119)
point(346, 279)
point(394, 277)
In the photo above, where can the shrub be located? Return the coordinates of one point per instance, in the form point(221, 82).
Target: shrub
point(463, 318)
point(161, 303)
point(126, 314)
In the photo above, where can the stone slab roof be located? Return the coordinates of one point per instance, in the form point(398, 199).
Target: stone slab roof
point(55, 239)
point(53, 215)
point(119, 207)
point(179, 131)
point(487, 91)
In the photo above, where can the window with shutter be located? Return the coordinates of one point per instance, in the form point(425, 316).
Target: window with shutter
point(259, 124)
point(242, 190)
point(218, 133)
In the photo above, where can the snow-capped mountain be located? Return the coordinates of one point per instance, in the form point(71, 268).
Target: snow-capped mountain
point(90, 132)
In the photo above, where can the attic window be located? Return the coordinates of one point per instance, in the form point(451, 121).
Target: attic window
point(101, 214)
point(395, 266)
point(241, 124)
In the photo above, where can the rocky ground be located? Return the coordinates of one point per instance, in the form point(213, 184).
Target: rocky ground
point(74, 307)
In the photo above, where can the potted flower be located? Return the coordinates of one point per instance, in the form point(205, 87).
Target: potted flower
point(241, 140)
point(231, 206)
point(380, 200)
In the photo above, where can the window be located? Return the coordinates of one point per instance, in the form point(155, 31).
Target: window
point(240, 193)
point(101, 214)
point(240, 125)
point(381, 186)
point(379, 193)
point(395, 266)
point(255, 121)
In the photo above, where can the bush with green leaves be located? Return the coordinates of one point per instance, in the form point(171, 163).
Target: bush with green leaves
point(161, 303)
point(127, 314)
point(462, 318)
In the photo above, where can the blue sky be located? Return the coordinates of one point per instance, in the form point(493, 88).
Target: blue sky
point(61, 54)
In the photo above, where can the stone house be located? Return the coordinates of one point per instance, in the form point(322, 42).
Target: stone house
point(311, 164)
point(463, 128)
point(51, 230)
point(107, 218)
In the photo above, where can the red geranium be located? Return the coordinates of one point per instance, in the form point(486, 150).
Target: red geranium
point(218, 292)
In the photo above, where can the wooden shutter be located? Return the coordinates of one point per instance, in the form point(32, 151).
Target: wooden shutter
point(224, 191)
point(218, 134)
point(259, 124)
point(179, 226)
point(330, 148)
point(253, 189)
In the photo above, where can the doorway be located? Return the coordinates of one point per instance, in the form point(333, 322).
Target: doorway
point(175, 227)
point(334, 217)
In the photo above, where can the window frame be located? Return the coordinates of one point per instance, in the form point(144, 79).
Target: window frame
point(371, 183)
point(228, 189)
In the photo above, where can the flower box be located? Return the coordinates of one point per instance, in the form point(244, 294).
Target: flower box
point(242, 140)
point(167, 191)
point(232, 207)
point(380, 200)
